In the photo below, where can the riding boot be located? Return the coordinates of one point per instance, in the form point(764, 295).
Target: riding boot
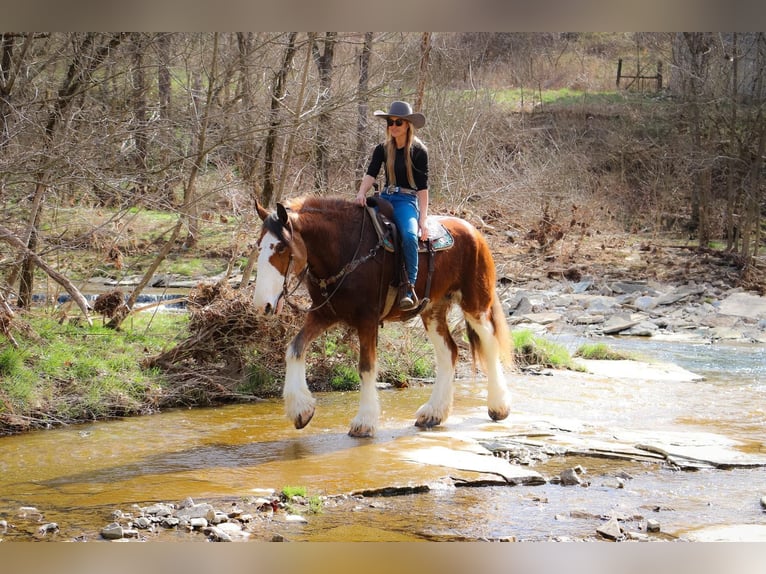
point(409, 300)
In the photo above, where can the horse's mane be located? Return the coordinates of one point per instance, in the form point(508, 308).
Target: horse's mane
point(330, 208)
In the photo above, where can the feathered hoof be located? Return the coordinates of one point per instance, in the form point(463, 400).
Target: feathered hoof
point(361, 431)
point(499, 414)
point(428, 421)
point(304, 418)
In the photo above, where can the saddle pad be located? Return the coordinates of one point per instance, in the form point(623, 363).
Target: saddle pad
point(440, 237)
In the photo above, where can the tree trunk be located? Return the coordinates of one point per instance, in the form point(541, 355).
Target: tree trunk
point(139, 111)
point(278, 91)
point(324, 62)
point(190, 209)
point(425, 51)
point(246, 154)
point(362, 98)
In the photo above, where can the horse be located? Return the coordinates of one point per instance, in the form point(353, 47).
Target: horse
point(331, 245)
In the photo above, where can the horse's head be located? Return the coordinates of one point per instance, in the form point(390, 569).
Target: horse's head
point(282, 253)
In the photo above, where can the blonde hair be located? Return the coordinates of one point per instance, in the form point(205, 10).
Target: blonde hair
point(390, 146)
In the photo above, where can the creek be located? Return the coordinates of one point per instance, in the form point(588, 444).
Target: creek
point(77, 476)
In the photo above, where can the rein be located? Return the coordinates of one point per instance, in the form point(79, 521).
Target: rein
point(336, 279)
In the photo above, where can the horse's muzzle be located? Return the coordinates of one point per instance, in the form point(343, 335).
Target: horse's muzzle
point(276, 308)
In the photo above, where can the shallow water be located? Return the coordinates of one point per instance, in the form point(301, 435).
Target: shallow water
point(77, 475)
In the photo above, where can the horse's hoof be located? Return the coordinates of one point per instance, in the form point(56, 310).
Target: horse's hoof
point(428, 422)
point(361, 431)
point(498, 414)
point(303, 419)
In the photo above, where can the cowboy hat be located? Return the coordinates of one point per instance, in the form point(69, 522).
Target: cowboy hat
point(403, 110)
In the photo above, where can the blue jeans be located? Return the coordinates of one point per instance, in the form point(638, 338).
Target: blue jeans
point(406, 215)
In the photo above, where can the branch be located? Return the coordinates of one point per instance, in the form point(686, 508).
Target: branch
point(7, 236)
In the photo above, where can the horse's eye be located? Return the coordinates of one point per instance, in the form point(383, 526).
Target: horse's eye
point(280, 247)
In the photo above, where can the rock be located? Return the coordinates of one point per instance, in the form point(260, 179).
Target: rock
point(295, 518)
point(644, 303)
point(680, 294)
point(217, 517)
point(637, 536)
point(628, 286)
point(619, 323)
point(112, 531)
point(542, 318)
point(159, 510)
point(198, 523)
point(195, 511)
point(170, 522)
point(142, 522)
point(218, 535)
point(743, 305)
point(570, 477)
point(588, 319)
point(48, 528)
point(611, 530)
point(763, 502)
point(652, 525)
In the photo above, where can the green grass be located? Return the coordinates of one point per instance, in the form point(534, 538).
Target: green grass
point(599, 351)
point(297, 499)
point(530, 349)
point(74, 372)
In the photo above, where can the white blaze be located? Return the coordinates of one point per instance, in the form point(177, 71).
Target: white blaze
point(268, 280)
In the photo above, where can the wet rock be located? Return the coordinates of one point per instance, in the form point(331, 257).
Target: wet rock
point(637, 536)
point(611, 530)
point(48, 528)
point(195, 511)
point(763, 502)
point(170, 522)
point(159, 510)
point(217, 535)
point(198, 523)
point(570, 477)
point(652, 525)
point(112, 531)
point(295, 518)
point(217, 517)
point(142, 522)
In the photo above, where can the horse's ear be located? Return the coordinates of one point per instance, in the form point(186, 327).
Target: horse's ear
point(262, 213)
point(282, 213)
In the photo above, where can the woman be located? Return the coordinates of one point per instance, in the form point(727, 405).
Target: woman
point(406, 161)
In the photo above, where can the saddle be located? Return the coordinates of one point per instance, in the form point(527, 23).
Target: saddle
point(439, 239)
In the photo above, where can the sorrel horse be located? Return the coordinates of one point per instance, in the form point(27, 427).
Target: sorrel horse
point(333, 246)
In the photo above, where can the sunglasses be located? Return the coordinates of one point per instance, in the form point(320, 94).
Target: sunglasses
point(397, 123)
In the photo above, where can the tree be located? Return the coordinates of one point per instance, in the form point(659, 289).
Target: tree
point(324, 62)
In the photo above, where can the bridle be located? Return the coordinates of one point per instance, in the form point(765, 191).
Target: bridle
point(323, 284)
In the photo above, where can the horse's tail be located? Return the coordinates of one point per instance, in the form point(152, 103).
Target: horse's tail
point(501, 332)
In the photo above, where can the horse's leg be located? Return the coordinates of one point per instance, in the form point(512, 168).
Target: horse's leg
point(489, 350)
point(299, 404)
point(438, 407)
point(366, 420)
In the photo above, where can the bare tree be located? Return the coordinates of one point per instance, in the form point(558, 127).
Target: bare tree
point(278, 90)
point(324, 61)
point(89, 55)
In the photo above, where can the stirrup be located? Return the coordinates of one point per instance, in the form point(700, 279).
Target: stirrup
point(409, 300)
